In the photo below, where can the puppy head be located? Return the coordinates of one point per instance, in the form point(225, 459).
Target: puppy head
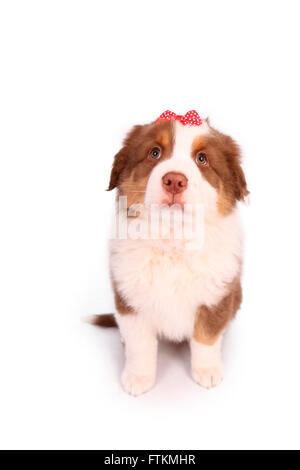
point(166, 162)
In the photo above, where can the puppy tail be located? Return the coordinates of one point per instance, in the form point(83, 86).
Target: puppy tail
point(107, 320)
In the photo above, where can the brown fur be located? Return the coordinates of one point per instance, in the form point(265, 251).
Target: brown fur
point(130, 172)
point(223, 170)
point(164, 138)
point(132, 167)
point(212, 321)
point(198, 144)
point(121, 305)
point(106, 320)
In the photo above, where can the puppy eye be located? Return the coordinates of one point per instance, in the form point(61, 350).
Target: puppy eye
point(201, 159)
point(155, 153)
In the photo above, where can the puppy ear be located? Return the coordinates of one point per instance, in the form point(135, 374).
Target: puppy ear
point(233, 156)
point(117, 168)
point(241, 184)
point(123, 156)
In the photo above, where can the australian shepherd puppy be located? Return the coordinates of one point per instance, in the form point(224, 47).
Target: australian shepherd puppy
point(176, 253)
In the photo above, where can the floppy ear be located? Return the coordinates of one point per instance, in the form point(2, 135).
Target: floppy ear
point(122, 157)
point(117, 168)
point(240, 184)
point(233, 156)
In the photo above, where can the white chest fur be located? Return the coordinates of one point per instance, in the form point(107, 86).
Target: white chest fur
point(165, 282)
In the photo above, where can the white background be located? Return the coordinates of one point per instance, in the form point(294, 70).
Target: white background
point(75, 76)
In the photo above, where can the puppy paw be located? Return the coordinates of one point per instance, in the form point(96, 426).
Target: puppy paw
point(208, 377)
point(135, 384)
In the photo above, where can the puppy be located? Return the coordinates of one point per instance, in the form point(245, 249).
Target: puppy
point(167, 283)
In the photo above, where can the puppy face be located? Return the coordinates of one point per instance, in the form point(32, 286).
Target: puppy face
point(167, 162)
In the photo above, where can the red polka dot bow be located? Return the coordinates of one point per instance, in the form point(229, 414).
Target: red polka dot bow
point(191, 117)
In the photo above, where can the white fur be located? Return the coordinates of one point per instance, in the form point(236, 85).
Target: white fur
point(165, 283)
point(140, 350)
point(207, 367)
point(198, 190)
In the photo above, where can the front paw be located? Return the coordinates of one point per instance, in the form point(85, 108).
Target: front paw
point(136, 384)
point(208, 377)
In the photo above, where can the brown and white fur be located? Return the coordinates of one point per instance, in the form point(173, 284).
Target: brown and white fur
point(165, 287)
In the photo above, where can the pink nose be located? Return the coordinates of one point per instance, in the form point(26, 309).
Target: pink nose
point(174, 183)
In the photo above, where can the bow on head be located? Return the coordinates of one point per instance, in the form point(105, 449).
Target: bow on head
point(191, 117)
